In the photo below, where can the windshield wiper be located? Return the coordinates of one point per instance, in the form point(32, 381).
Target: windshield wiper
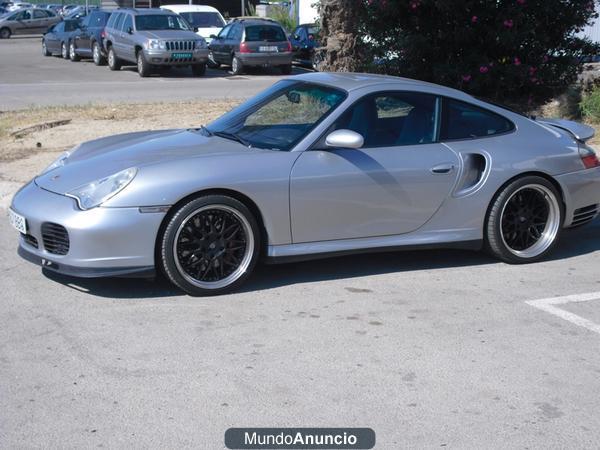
point(232, 136)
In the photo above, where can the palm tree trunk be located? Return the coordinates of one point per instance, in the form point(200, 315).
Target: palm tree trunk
point(341, 45)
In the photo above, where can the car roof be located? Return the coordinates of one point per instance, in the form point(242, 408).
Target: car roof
point(350, 81)
point(144, 11)
point(255, 20)
point(190, 8)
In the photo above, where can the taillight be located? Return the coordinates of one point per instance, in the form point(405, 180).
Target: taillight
point(289, 47)
point(588, 156)
point(103, 34)
point(311, 37)
point(244, 47)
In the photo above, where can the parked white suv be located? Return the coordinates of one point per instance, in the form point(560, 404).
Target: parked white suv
point(206, 19)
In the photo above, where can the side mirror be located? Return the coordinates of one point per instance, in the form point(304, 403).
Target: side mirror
point(296, 37)
point(344, 139)
point(195, 29)
point(213, 36)
point(129, 30)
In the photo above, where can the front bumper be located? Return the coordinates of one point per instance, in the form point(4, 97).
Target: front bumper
point(581, 191)
point(265, 59)
point(170, 58)
point(102, 241)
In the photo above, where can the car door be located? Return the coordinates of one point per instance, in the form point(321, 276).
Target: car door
point(216, 46)
point(20, 22)
point(232, 43)
point(117, 36)
point(40, 19)
point(82, 36)
point(392, 185)
point(127, 38)
point(51, 38)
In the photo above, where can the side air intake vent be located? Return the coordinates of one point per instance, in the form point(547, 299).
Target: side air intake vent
point(584, 215)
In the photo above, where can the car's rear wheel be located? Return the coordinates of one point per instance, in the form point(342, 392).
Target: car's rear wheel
point(113, 62)
point(210, 245)
point(73, 56)
point(45, 51)
point(237, 67)
point(199, 69)
point(97, 56)
point(5, 33)
point(525, 220)
point(143, 67)
point(64, 50)
point(286, 70)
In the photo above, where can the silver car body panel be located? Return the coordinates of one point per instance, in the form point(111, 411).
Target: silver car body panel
point(310, 201)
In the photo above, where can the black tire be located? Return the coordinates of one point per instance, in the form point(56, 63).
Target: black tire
point(45, 51)
point(5, 33)
point(143, 67)
point(286, 70)
point(199, 69)
point(237, 67)
point(64, 50)
point(114, 63)
point(97, 55)
point(73, 56)
point(196, 223)
point(524, 221)
point(211, 61)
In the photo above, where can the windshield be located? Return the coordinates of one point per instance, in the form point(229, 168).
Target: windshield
point(313, 30)
point(269, 33)
point(203, 19)
point(279, 117)
point(160, 22)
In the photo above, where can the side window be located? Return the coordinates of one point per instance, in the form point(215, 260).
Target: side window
point(111, 21)
point(127, 23)
point(392, 119)
point(225, 31)
point(236, 32)
point(463, 121)
point(39, 14)
point(59, 28)
point(27, 15)
point(119, 21)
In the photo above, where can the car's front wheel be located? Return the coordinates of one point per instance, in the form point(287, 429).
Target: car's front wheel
point(210, 245)
point(97, 56)
point(525, 220)
point(113, 62)
point(73, 56)
point(143, 67)
point(45, 51)
point(5, 33)
point(199, 69)
point(212, 63)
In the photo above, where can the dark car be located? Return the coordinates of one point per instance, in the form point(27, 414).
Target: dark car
point(304, 40)
point(87, 41)
point(251, 42)
point(58, 37)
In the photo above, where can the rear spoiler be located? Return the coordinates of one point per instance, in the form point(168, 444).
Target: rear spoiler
point(580, 131)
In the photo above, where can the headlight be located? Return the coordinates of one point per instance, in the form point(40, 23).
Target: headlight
point(155, 44)
point(97, 192)
point(58, 162)
point(201, 43)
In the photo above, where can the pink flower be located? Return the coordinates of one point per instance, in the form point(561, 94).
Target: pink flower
point(466, 78)
point(532, 71)
point(534, 80)
point(517, 61)
point(484, 69)
point(521, 2)
point(545, 59)
point(508, 23)
point(414, 4)
point(474, 19)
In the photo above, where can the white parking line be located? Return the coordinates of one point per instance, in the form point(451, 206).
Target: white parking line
point(549, 305)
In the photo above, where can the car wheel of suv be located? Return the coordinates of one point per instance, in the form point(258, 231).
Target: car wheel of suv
point(210, 245)
point(237, 68)
point(99, 59)
point(286, 70)
point(211, 61)
point(45, 51)
point(143, 67)
point(5, 33)
point(73, 56)
point(113, 61)
point(64, 52)
point(199, 69)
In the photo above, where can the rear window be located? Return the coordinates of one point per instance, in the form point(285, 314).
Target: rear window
point(464, 121)
point(270, 33)
point(203, 19)
point(99, 19)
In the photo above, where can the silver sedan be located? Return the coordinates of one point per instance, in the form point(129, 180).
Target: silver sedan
point(317, 165)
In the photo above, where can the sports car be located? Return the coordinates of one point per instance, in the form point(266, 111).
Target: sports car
point(317, 165)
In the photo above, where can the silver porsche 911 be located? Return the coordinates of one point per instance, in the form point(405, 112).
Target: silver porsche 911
point(317, 165)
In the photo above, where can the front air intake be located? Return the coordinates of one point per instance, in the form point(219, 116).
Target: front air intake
point(56, 238)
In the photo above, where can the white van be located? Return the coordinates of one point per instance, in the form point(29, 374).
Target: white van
point(206, 19)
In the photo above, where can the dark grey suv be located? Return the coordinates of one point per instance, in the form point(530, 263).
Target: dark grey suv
point(251, 42)
point(151, 38)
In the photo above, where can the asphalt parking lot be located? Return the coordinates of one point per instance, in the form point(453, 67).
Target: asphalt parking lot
point(431, 349)
point(27, 78)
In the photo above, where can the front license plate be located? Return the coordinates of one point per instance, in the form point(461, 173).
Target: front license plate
point(181, 55)
point(17, 221)
point(268, 48)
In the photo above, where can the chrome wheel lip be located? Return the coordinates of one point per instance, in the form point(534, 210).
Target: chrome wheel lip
point(552, 224)
point(96, 53)
point(111, 57)
point(246, 259)
point(234, 65)
point(64, 50)
point(72, 50)
point(140, 64)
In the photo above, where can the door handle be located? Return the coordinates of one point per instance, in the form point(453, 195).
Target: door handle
point(442, 168)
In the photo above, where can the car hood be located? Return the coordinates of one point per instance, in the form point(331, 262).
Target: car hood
point(98, 159)
point(167, 34)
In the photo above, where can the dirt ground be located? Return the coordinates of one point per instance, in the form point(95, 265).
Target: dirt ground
point(31, 139)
